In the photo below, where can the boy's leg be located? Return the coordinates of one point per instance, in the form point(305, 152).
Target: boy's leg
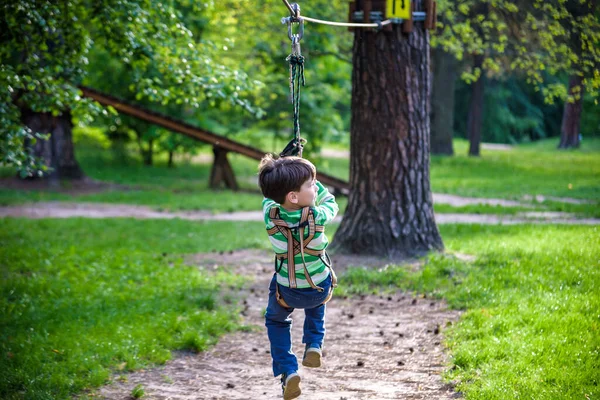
point(314, 332)
point(314, 325)
point(314, 321)
point(279, 330)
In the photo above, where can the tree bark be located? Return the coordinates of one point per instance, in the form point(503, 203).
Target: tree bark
point(57, 152)
point(444, 66)
point(149, 153)
point(390, 207)
point(571, 120)
point(476, 110)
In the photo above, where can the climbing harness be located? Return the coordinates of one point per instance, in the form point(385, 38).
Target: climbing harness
point(296, 60)
point(299, 246)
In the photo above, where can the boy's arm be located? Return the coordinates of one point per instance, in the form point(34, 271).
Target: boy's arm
point(325, 206)
point(267, 204)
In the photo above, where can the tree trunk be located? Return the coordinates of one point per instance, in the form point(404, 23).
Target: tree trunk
point(170, 162)
point(476, 110)
point(149, 153)
point(390, 207)
point(444, 67)
point(571, 120)
point(57, 152)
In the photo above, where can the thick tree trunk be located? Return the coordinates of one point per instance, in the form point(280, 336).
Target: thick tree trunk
point(390, 208)
point(476, 110)
point(571, 120)
point(444, 66)
point(57, 152)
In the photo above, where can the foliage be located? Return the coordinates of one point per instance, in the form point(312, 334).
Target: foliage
point(44, 50)
point(513, 112)
point(254, 37)
point(540, 39)
point(98, 296)
point(530, 326)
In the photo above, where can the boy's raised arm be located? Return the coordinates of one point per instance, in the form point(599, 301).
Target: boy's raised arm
point(266, 205)
point(325, 206)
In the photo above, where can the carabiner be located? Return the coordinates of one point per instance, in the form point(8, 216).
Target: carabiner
point(300, 33)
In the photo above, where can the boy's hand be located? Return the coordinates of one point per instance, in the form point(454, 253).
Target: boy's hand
point(293, 148)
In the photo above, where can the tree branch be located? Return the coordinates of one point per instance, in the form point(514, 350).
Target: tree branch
point(331, 53)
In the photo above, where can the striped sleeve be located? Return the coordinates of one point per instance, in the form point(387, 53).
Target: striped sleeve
point(325, 206)
point(267, 204)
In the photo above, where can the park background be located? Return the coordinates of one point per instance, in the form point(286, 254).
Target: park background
point(85, 300)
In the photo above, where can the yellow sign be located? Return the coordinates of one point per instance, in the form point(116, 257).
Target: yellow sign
point(398, 9)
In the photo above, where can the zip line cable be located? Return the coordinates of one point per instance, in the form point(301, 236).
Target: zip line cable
point(349, 24)
point(294, 17)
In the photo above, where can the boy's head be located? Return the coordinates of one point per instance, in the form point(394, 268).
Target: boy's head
point(287, 178)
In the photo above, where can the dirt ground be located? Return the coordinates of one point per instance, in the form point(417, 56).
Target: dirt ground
point(377, 347)
point(57, 209)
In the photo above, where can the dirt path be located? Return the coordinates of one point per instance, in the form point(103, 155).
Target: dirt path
point(104, 210)
point(376, 348)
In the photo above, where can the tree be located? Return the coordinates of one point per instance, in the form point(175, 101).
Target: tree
point(390, 208)
point(44, 48)
point(445, 73)
point(260, 43)
point(583, 26)
point(539, 39)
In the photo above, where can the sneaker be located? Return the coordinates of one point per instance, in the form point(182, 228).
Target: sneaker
point(290, 384)
point(312, 356)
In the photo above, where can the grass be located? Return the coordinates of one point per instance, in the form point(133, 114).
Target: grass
point(532, 169)
point(531, 327)
point(528, 169)
point(81, 299)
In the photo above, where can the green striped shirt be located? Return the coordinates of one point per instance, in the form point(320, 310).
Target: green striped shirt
point(325, 210)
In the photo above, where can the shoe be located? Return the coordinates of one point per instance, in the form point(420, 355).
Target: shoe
point(312, 356)
point(290, 384)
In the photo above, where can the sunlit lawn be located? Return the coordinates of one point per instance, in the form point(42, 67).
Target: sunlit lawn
point(529, 169)
point(531, 327)
point(533, 169)
point(81, 299)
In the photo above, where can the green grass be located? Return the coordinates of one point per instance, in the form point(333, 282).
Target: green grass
point(531, 169)
point(526, 170)
point(531, 327)
point(80, 299)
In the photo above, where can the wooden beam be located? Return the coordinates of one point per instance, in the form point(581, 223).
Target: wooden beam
point(221, 171)
point(195, 133)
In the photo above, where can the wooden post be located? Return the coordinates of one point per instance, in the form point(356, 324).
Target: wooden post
point(368, 6)
point(221, 171)
point(351, 10)
point(380, 5)
point(429, 14)
point(407, 25)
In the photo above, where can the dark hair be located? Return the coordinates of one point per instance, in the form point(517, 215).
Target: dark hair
point(278, 177)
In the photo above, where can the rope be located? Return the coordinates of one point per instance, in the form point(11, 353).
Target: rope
point(294, 147)
point(348, 24)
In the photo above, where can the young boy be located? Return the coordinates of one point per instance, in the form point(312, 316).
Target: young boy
point(296, 208)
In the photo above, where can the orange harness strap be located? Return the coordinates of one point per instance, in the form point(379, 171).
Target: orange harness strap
point(295, 246)
point(300, 247)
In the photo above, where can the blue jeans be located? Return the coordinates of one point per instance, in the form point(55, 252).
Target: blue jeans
point(279, 323)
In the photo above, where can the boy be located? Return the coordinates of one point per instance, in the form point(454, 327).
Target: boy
point(296, 208)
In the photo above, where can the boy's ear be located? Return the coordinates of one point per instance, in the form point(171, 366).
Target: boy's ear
point(292, 197)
